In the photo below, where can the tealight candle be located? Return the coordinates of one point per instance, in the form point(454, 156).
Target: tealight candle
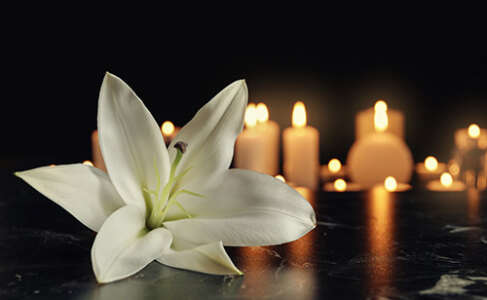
point(379, 119)
point(301, 150)
point(96, 152)
point(445, 184)
point(169, 131)
point(372, 158)
point(430, 169)
point(332, 171)
point(340, 185)
point(257, 147)
point(391, 185)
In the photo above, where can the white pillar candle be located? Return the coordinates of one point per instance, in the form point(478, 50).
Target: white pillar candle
point(169, 131)
point(96, 152)
point(301, 150)
point(379, 155)
point(365, 121)
point(257, 147)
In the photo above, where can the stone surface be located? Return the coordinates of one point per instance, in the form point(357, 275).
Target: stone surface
point(413, 245)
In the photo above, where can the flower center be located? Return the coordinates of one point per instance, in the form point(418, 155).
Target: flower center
point(159, 201)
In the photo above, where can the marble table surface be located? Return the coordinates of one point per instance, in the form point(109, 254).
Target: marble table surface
point(367, 245)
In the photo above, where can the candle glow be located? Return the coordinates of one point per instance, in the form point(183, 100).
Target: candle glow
point(88, 163)
point(474, 131)
point(380, 105)
point(299, 115)
point(281, 178)
point(431, 163)
point(262, 113)
point(446, 179)
point(390, 184)
point(454, 169)
point(334, 165)
point(167, 128)
point(340, 185)
point(381, 121)
point(250, 116)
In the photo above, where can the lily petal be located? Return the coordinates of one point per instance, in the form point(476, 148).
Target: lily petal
point(84, 191)
point(211, 135)
point(210, 258)
point(124, 246)
point(248, 209)
point(131, 141)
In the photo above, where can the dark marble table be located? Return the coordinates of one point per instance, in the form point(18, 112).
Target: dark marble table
point(374, 245)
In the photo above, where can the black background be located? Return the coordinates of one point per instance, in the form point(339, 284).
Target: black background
point(53, 65)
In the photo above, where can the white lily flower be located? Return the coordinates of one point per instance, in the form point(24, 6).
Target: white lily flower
point(175, 205)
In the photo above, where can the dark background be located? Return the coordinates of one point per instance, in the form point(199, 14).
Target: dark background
point(53, 65)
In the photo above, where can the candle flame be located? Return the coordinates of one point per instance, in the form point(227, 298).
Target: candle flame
point(52, 165)
point(167, 128)
point(262, 113)
point(250, 115)
point(381, 121)
point(299, 115)
point(88, 163)
point(334, 165)
point(431, 163)
point(281, 178)
point(380, 105)
point(446, 179)
point(340, 185)
point(390, 184)
point(474, 131)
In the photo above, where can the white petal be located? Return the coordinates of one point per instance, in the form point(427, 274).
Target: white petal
point(211, 135)
point(84, 191)
point(124, 246)
point(248, 209)
point(130, 140)
point(210, 258)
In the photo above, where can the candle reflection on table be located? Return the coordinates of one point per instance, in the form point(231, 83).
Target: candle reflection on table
point(380, 232)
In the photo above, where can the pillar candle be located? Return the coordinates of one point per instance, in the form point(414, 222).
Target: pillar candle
point(365, 125)
point(301, 150)
point(257, 147)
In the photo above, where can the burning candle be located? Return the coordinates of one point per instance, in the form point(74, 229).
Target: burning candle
point(391, 185)
point(332, 171)
point(379, 119)
point(88, 163)
point(169, 131)
point(257, 147)
point(445, 184)
point(470, 138)
point(374, 157)
point(96, 152)
point(301, 150)
point(430, 169)
point(340, 185)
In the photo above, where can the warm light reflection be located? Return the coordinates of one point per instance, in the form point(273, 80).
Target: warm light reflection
point(380, 233)
point(299, 115)
point(454, 168)
point(52, 165)
point(473, 197)
point(390, 184)
point(88, 163)
point(380, 105)
point(334, 165)
point(167, 128)
point(262, 113)
point(381, 121)
point(281, 178)
point(250, 115)
point(473, 131)
point(340, 185)
point(431, 163)
point(446, 179)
